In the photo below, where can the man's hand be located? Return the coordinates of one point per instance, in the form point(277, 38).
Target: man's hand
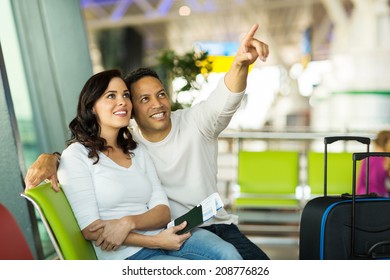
point(45, 167)
point(250, 49)
point(113, 235)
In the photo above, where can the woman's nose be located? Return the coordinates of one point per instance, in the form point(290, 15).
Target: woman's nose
point(121, 100)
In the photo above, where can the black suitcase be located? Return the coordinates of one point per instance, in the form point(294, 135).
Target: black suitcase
point(347, 226)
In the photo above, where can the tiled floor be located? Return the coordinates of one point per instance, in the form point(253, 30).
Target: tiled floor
point(278, 248)
point(275, 232)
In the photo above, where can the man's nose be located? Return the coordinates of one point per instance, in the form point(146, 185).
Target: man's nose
point(157, 103)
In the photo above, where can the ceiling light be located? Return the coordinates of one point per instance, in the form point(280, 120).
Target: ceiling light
point(184, 11)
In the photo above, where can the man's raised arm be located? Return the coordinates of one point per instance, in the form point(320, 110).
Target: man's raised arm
point(250, 49)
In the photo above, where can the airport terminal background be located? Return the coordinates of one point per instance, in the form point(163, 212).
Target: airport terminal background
point(327, 75)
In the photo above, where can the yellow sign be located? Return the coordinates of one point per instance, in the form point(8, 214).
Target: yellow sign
point(222, 64)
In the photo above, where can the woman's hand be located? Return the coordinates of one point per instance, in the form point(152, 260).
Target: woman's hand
point(169, 239)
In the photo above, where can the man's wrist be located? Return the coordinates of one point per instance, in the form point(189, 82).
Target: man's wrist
point(58, 157)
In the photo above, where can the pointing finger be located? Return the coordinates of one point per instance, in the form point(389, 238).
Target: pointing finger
point(249, 36)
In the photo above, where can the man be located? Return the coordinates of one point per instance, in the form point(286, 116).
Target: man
point(183, 144)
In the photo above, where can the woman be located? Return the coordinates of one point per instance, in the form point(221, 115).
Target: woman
point(378, 168)
point(112, 185)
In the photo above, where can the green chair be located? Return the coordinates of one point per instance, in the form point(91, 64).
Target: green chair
point(339, 177)
point(60, 223)
point(267, 179)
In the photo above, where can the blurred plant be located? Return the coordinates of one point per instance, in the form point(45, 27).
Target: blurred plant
point(187, 66)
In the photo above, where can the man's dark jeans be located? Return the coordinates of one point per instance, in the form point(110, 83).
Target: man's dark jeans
point(230, 233)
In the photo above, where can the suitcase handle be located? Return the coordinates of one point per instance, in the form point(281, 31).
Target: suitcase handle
point(374, 255)
point(361, 156)
point(332, 139)
point(356, 157)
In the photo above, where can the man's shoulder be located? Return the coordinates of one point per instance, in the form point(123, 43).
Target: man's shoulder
point(183, 113)
point(139, 150)
point(177, 113)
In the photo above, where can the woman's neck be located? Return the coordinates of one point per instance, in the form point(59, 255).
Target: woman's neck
point(111, 139)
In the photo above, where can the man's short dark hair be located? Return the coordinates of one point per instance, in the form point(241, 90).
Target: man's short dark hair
point(138, 74)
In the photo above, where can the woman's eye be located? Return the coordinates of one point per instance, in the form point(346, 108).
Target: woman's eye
point(111, 96)
point(126, 95)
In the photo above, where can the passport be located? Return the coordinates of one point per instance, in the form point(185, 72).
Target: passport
point(194, 218)
point(199, 214)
